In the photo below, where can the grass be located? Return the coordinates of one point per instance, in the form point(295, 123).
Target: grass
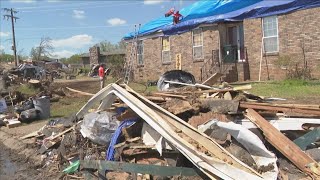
point(27, 89)
point(295, 89)
point(67, 106)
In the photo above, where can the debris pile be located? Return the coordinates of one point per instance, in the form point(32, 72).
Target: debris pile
point(196, 131)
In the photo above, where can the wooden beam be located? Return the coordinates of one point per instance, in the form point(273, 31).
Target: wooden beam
point(80, 92)
point(284, 145)
point(163, 171)
point(300, 106)
point(169, 95)
point(276, 108)
point(212, 79)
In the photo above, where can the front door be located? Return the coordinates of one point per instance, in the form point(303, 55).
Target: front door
point(234, 45)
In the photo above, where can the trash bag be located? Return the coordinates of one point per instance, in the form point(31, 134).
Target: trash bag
point(99, 126)
point(29, 115)
point(176, 76)
point(25, 106)
point(3, 105)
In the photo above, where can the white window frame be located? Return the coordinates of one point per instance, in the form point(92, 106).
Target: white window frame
point(138, 62)
point(193, 46)
point(277, 36)
point(162, 51)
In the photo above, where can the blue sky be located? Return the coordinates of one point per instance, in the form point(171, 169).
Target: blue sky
point(74, 26)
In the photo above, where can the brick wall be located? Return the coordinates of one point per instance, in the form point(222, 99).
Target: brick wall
point(295, 29)
point(153, 66)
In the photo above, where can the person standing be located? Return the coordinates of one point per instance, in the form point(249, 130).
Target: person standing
point(101, 76)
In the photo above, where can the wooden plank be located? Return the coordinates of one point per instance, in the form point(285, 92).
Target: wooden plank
point(212, 79)
point(300, 106)
point(11, 123)
point(80, 92)
point(169, 95)
point(279, 109)
point(156, 98)
point(283, 144)
point(242, 87)
point(138, 168)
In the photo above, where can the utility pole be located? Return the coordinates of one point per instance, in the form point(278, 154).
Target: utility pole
point(13, 20)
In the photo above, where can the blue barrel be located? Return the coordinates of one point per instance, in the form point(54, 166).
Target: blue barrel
point(43, 105)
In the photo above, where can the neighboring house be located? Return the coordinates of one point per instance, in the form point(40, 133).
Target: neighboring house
point(243, 40)
point(96, 57)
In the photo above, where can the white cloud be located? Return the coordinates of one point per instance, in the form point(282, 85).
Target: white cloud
point(78, 14)
point(23, 1)
point(4, 34)
point(1, 47)
point(77, 41)
point(62, 54)
point(152, 2)
point(116, 21)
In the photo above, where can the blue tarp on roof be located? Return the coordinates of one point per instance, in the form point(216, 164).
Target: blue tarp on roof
point(214, 11)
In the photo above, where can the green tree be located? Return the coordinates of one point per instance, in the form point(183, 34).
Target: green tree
point(74, 59)
point(107, 46)
point(6, 57)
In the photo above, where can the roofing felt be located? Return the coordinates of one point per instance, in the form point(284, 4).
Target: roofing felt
point(215, 11)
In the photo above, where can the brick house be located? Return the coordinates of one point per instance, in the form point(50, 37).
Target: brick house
point(95, 56)
point(247, 48)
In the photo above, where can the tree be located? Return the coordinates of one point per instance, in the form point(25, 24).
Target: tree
point(6, 57)
point(43, 50)
point(107, 46)
point(115, 62)
point(74, 59)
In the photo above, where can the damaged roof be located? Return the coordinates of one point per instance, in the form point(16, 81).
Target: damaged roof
point(214, 11)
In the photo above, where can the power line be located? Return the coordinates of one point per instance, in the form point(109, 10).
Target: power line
point(13, 20)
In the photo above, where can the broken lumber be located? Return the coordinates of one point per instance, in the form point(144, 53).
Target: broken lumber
point(202, 86)
point(248, 105)
point(169, 95)
point(300, 106)
point(80, 92)
point(210, 166)
point(212, 79)
point(284, 145)
point(11, 123)
point(61, 133)
point(102, 166)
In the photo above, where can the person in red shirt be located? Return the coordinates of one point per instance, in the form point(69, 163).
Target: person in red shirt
point(176, 17)
point(101, 76)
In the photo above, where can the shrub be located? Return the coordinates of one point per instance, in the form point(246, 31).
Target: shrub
point(293, 67)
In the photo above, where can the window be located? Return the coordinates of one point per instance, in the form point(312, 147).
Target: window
point(166, 50)
point(270, 34)
point(197, 41)
point(140, 53)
